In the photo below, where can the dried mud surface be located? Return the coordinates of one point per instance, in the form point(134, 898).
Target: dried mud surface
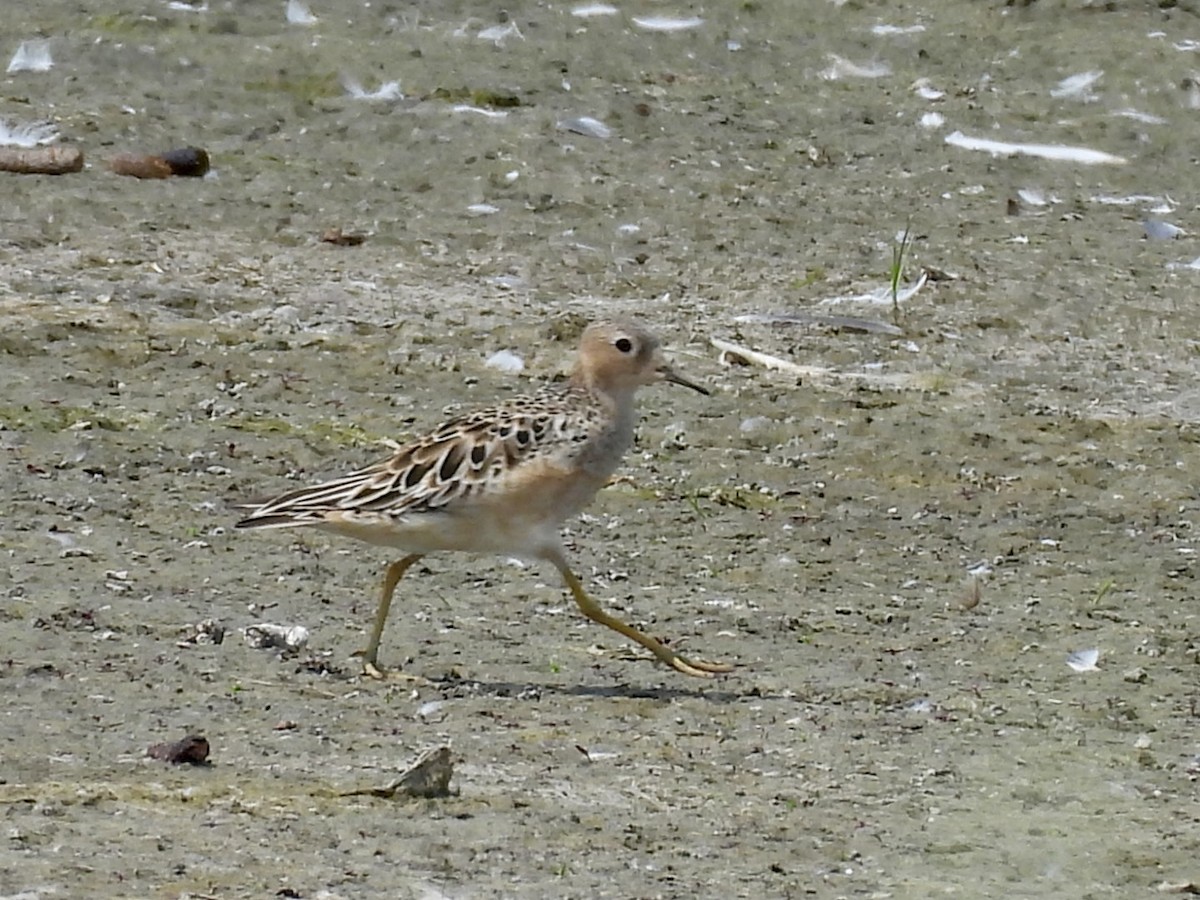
point(892, 730)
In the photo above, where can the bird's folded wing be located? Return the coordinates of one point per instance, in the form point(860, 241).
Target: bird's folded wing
point(467, 457)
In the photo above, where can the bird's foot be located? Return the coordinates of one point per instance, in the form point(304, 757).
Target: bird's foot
point(371, 669)
point(698, 668)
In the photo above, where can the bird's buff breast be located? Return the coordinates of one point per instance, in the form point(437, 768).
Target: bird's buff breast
point(522, 518)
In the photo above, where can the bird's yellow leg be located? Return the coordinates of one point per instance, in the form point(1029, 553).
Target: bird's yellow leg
point(592, 610)
point(392, 577)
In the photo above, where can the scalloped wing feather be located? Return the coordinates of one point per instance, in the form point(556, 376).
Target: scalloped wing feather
point(467, 457)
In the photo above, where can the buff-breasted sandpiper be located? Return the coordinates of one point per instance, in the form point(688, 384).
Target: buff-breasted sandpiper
point(500, 480)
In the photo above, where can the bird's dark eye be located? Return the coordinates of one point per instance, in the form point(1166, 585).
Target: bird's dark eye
point(623, 344)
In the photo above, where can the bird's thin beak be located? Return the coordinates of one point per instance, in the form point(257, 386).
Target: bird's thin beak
point(674, 377)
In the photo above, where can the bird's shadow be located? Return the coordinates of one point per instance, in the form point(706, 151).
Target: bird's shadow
point(454, 684)
point(710, 692)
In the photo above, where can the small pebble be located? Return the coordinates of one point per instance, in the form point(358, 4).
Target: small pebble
point(266, 635)
point(1136, 675)
point(342, 238)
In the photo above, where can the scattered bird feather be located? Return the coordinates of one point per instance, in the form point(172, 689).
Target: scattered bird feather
point(507, 282)
point(298, 13)
point(886, 30)
point(667, 23)
point(1138, 116)
point(1084, 660)
point(591, 10)
point(1077, 87)
point(754, 424)
point(64, 540)
point(881, 295)
point(389, 90)
point(26, 134)
point(840, 67)
point(1158, 230)
point(1166, 204)
point(430, 708)
point(32, 56)
point(924, 89)
point(486, 113)
point(505, 361)
point(586, 126)
point(1057, 152)
point(498, 34)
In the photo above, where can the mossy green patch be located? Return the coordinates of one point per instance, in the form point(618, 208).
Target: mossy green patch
point(482, 97)
point(52, 417)
point(305, 86)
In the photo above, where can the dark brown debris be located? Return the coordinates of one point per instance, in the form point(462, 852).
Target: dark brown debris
point(342, 238)
point(192, 750)
point(41, 160)
point(186, 162)
point(140, 165)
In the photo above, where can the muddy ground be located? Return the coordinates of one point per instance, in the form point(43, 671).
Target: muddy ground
point(898, 548)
